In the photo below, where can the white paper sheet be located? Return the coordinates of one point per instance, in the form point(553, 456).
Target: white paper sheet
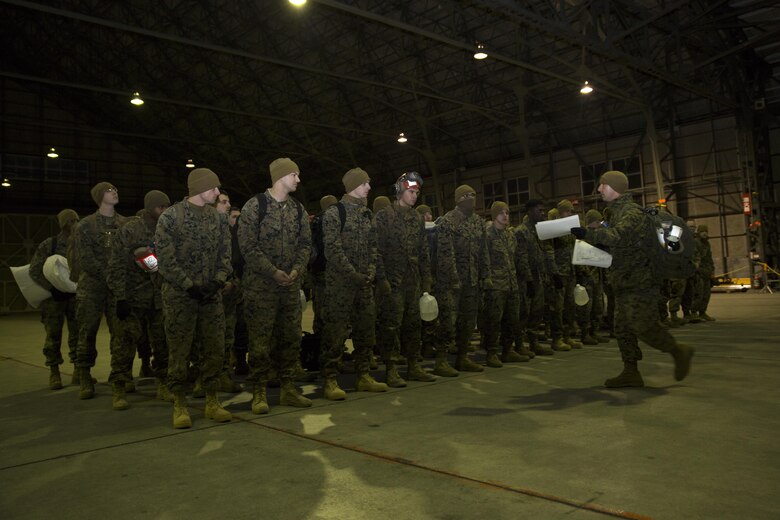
point(586, 254)
point(556, 228)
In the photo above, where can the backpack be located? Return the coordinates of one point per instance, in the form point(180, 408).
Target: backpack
point(317, 261)
point(670, 264)
point(262, 208)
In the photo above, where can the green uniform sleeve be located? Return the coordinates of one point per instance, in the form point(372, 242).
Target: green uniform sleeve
point(249, 239)
point(304, 244)
point(331, 237)
point(165, 245)
point(36, 264)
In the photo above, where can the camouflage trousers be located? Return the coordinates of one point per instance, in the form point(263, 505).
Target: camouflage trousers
point(703, 292)
point(273, 319)
point(585, 312)
point(636, 318)
point(566, 309)
point(317, 301)
point(184, 319)
point(676, 290)
point(91, 306)
point(689, 295)
point(346, 305)
point(502, 318)
point(398, 322)
point(142, 322)
point(53, 316)
point(231, 302)
point(542, 310)
point(457, 315)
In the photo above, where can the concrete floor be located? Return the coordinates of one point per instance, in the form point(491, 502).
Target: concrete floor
point(538, 440)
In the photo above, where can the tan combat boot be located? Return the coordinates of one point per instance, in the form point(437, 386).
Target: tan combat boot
point(392, 377)
point(559, 345)
point(226, 384)
point(464, 364)
point(442, 368)
point(259, 399)
point(629, 377)
point(87, 386)
point(682, 361)
point(510, 355)
point(55, 381)
point(573, 343)
point(181, 416)
point(163, 394)
point(118, 399)
point(492, 360)
point(291, 396)
point(197, 390)
point(366, 383)
point(332, 391)
point(214, 410)
point(416, 373)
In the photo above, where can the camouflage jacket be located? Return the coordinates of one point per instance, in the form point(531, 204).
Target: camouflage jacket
point(706, 265)
point(501, 247)
point(632, 267)
point(402, 245)
point(540, 254)
point(44, 251)
point(193, 245)
point(281, 240)
point(467, 234)
point(563, 251)
point(93, 238)
point(127, 280)
point(353, 247)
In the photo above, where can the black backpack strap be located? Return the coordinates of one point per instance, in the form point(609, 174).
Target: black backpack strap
point(342, 214)
point(262, 206)
point(53, 245)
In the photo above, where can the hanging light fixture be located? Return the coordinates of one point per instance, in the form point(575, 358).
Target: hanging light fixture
point(137, 101)
point(586, 88)
point(190, 164)
point(52, 153)
point(402, 138)
point(480, 53)
point(297, 3)
point(6, 183)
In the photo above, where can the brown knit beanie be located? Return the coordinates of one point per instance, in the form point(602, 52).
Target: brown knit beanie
point(155, 199)
point(354, 178)
point(380, 203)
point(201, 180)
point(462, 190)
point(327, 201)
point(422, 209)
point(98, 190)
point(496, 208)
point(615, 180)
point(65, 216)
point(564, 205)
point(592, 216)
point(281, 168)
point(553, 214)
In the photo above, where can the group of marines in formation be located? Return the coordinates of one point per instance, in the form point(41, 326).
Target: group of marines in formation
point(179, 278)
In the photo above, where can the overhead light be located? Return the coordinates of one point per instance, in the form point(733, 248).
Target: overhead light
point(190, 164)
point(402, 138)
point(5, 183)
point(137, 101)
point(297, 3)
point(52, 153)
point(480, 53)
point(586, 88)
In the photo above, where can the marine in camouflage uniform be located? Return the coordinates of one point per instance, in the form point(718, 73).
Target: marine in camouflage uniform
point(429, 330)
point(703, 274)
point(352, 265)
point(463, 269)
point(61, 306)
point(541, 297)
point(138, 301)
point(275, 243)
point(92, 242)
point(634, 282)
point(193, 250)
point(402, 246)
point(590, 277)
point(566, 310)
point(502, 301)
point(317, 265)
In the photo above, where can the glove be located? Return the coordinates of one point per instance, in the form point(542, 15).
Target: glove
point(530, 289)
point(210, 289)
point(383, 289)
point(195, 292)
point(487, 284)
point(558, 282)
point(579, 232)
point(59, 296)
point(122, 309)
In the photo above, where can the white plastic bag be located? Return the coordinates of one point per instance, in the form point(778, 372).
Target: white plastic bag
point(57, 272)
point(32, 292)
point(586, 254)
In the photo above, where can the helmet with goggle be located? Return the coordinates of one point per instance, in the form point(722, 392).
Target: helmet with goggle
point(408, 181)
